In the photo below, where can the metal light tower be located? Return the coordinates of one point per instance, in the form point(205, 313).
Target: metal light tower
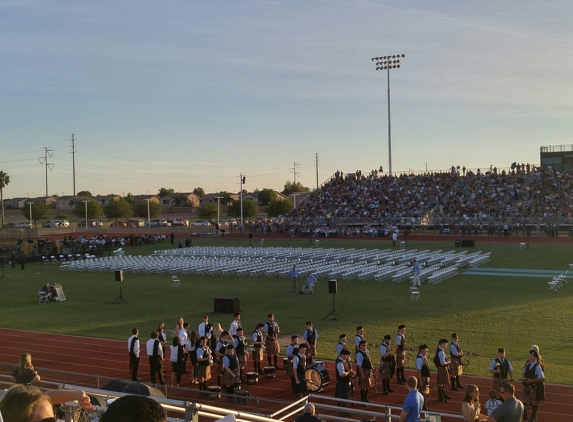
point(86, 202)
point(148, 215)
point(218, 198)
point(387, 63)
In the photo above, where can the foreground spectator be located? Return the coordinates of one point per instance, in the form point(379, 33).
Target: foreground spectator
point(25, 373)
point(134, 409)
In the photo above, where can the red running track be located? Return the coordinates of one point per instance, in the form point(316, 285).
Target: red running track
point(109, 358)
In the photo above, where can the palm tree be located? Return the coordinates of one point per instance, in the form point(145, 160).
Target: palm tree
point(4, 181)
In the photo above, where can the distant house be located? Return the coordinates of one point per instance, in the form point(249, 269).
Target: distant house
point(105, 199)
point(211, 198)
point(152, 198)
point(298, 197)
point(14, 203)
point(254, 196)
point(168, 201)
point(67, 202)
point(47, 200)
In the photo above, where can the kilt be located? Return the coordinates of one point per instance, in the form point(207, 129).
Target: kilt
point(273, 347)
point(443, 375)
point(342, 390)
point(299, 388)
point(534, 396)
point(258, 355)
point(385, 370)
point(242, 360)
point(289, 370)
point(497, 383)
point(220, 367)
point(400, 359)
point(228, 379)
point(204, 373)
point(457, 368)
point(311, 351)
point(424, 386)
point(365, 382)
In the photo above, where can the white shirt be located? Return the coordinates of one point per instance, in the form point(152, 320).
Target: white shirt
point(150, 344)
point(183, 337)
point(233, 328)
point(135, 345)
point(202, 332)
point(173, 357)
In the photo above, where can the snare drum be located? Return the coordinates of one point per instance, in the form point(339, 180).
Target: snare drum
point(252, 378)
point(242, 396)
point(214, 392)
point(317, 377)
point(270, 371)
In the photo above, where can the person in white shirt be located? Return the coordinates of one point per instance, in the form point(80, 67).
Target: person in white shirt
point(184, 340)
point(155, 355)
point(133, 349)
point(235, 324)
point(205, 329)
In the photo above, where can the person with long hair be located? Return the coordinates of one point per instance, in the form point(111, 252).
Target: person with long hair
point(178, 327)
point(29, 404)
point(162, 336)
point(176, 360)
point(471, 405)
point(24, 373)
point(191, 347)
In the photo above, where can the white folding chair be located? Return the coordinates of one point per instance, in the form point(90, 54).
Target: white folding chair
point(43, 297)
point(414, 293)
point(176, 281)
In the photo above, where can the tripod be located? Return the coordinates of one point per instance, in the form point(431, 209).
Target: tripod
point(334, 313)
point(120, 297)
point(4, 276)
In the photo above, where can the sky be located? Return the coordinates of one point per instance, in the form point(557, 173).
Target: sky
point(186, 94)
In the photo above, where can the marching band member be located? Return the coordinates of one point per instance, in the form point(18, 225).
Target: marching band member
point(310, 335)
point(401, 354)
point(387, 358)
point(271, 331)
point(231, 377)
point(534, 385)
point(258, 348)
point(364, 365)
point(442, 364)
point(457, 368)
point(341, 343)
point(344, 375)
point(299, 370)
point(291, 351)
point(500, 367)
point(358, 338)
point(240, 345)
point(423, 373)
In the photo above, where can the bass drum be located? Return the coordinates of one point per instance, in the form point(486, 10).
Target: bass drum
point(317, 377)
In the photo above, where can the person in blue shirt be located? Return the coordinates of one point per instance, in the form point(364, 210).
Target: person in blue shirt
point(415, 273)
point(293, 274)
point(309, 284)
point(413, 402)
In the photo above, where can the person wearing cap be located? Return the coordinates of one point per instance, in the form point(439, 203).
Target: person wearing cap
point(401, 354)
point(540, 358)
point(457, 368)
point(220, 351)
point(358, 338)
point(385, 364)
point(310, 335)
point(293, 274)
point(257, 338)
point(291, 351)
point(442, 364)
point(308, 414)
point(534, 385)
point(231, 377)
point(240, 345)
point(415, 273)
point(271, 331)
point(341, 343)
point(364, 366)
point(500, 367)
point(204, 361)
point(413, 402)
point(299, 371)
point(344, 374)
point(423, 372)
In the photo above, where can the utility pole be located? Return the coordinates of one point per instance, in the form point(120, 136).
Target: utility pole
point(44, 160)
point(293, 170)
point(74, 161)
point(242, 180)
point(316, 162)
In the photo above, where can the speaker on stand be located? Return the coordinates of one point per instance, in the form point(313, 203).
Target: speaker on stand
point(250, 239)
point(333, 290)
point(119, 278)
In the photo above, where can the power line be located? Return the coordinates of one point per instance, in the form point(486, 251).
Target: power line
point(74, 161)
point(293, 170)
point(47, 152)
point(316, 162)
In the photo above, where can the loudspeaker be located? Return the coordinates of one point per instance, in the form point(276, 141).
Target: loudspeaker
point(226, 305)
point(119, 275)
point(468, 243)
point(332, 287)
point(250, 235)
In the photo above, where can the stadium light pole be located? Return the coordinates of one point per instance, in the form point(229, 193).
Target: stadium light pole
point(148, 215)
point(86, 202)
point(387, 63)
point(218, 198)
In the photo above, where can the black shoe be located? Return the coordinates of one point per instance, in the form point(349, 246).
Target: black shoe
point(400, 382)
point(454, 388)
point(386, 393)
point(461, 386)
point(443, 400)
point(391, 391)
point(404, 380)
point(447, 397)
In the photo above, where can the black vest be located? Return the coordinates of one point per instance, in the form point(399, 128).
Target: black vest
point(339, 378)
point(366, 363)
point(259, 339)
point(133, 340)
point(311, 336)
point(301, 368)
point(402, 345)
point(241, 345)
point(503, 368)
point(425, 371)
point(271, 329)
point(233, 362)
point(156, 349)
point(388, 358)
point(458, 348)
point(206, 354)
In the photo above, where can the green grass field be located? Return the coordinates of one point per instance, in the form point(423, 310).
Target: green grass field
point(486, 312)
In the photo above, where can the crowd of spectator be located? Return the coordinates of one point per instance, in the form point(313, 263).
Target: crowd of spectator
point(467, 198)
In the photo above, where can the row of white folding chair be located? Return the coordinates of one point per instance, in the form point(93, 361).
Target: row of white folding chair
point(480, 260)
point(443, 274)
